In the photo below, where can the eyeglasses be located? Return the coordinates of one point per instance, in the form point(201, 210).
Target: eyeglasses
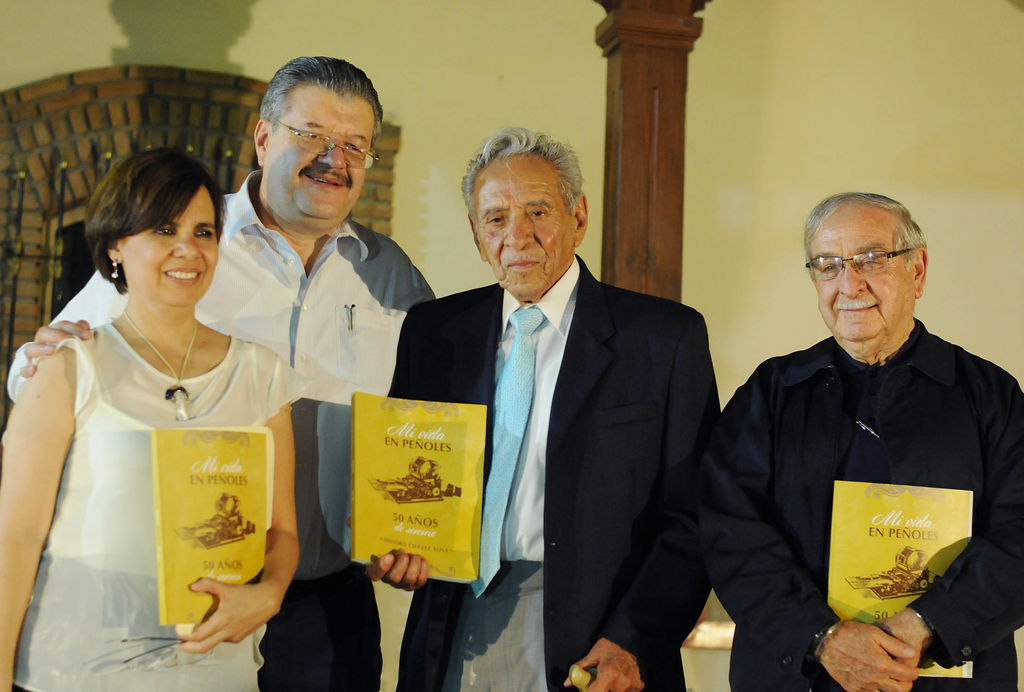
point(321, 145)
point(870, 262)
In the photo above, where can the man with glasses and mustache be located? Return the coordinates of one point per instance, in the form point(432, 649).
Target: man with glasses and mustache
point(297, 275)
point(882, 401)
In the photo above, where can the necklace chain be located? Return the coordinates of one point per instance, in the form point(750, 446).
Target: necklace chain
point(188, 352)
point(178, 394)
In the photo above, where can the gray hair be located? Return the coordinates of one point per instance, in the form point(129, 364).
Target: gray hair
point(339, 76)
point(907, 233)
point(518, 141)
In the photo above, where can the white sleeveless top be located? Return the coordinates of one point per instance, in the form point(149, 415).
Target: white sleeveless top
point(96, 586)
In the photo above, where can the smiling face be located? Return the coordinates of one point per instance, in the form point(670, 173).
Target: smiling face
point(171, 265)
point(522, 227)
point(302, 193)
point(870, 316)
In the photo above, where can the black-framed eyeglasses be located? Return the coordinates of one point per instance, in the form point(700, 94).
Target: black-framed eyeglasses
point(321, 145)
point(870, 262)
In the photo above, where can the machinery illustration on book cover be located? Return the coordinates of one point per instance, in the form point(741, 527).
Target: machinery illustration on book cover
point(227, 525)
point(421, 484)
point(910, 576)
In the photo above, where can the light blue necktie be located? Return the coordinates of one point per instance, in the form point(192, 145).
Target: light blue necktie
point(513, 398)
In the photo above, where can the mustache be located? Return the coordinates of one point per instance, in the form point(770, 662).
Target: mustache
point(841, 304)
point(319, 170)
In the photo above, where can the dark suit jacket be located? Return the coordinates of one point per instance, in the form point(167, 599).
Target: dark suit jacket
point(633, 406)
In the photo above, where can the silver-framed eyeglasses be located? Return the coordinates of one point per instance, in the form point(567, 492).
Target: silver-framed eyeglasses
point(870, 262)
point(321, 145)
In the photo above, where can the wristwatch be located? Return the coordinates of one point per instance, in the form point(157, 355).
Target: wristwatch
point(818, 643)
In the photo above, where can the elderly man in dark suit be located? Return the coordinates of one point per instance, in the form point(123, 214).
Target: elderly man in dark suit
point(882, 401)
point(600, 402)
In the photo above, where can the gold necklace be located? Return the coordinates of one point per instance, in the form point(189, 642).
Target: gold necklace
point(178, 394)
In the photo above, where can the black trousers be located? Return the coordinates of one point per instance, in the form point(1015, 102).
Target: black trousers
point(326, 637)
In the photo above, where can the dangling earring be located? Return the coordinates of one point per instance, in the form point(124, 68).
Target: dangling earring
point(114, 274)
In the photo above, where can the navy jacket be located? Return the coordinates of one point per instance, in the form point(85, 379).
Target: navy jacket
point(948, 419)
point(634, 404)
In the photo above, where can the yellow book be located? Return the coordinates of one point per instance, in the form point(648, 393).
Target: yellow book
point(417, 481)
point(889, 544)
point(212, 495)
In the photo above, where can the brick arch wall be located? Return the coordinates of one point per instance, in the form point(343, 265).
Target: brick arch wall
point(62, 133)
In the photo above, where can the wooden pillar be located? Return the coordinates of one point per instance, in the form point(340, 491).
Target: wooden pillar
point(647, 43)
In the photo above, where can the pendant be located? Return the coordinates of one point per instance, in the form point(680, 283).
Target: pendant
point(179, 395)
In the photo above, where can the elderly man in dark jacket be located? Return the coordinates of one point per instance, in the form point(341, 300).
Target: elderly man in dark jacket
point(882, 401)
point(599, 552)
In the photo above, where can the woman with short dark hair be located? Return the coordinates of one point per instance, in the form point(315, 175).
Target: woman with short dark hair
point(77, 534)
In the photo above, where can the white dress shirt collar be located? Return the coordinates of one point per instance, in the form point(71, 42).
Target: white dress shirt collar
point(553, 303)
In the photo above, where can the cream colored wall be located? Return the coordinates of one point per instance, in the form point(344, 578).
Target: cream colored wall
point(789, 101)
point(448, 73)
point(793, 100)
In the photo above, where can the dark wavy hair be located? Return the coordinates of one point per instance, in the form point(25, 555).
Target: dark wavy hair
point(333, 74)
point(140, 193)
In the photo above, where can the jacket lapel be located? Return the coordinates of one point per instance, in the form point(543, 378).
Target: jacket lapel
point(474, 351)
point(586, 358)
point(474, 345)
